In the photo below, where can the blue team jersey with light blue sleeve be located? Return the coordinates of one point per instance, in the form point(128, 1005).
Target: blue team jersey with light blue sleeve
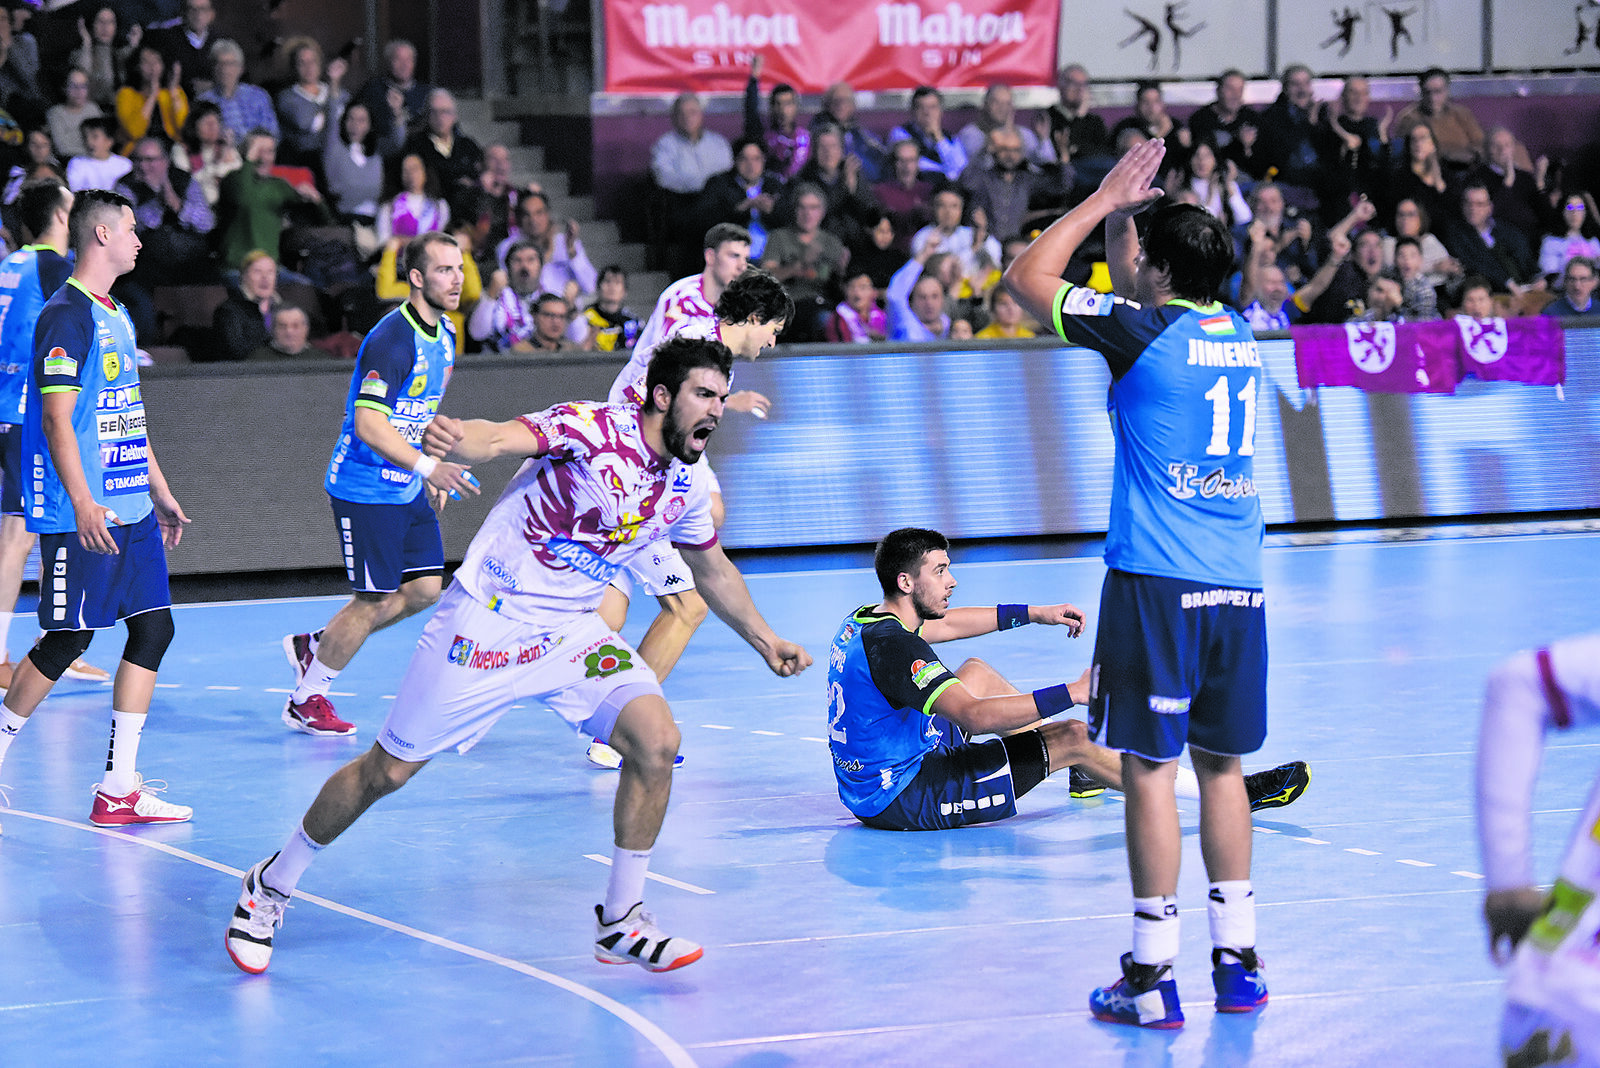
point(84, 344)
point(401, 371)
point(28, 277)
point(882, 683)
point(1185, 383)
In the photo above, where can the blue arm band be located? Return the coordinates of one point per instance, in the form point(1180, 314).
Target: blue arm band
point(1011, 615)
point(1052, 700)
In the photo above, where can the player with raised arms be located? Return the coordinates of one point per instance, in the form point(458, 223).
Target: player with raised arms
point(1181, 652)
point(600, 484)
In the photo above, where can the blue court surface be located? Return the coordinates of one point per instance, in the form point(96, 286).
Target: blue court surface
point(452, 924)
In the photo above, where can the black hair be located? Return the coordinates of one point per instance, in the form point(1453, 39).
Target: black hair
point(1477, 281)
point(1433, 72)
point(1195, 249)
point(925, 90)
point(745, 142)
point(901, 552)
point(104, 123)
point(1401, 242)
point(611, 269)
point(37, 204)
point(1139, 87)
point(722, 233)
point(523, 243)
point(677, 356)
point(369, 143)
point(755, 295)
point(89, 210)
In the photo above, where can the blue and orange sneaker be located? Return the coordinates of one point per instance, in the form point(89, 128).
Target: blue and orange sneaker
point(1238, 981)
point(1145, 996)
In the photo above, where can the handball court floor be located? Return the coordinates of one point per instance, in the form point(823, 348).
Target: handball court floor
point(452, 924)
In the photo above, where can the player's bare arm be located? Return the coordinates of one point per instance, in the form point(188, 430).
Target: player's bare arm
point(725, 591)
point(373, 427)
point(971, 622)
point(475, 441)
point(55, 419)
point(169, 513)
point(1007, 712)
point(1034, 277)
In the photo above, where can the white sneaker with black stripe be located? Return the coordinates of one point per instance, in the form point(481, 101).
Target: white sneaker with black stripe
point(635, 939)
point(258, 914)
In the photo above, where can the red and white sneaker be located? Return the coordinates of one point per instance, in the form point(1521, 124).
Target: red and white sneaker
point(141, 806)
point(315, 715)
point(257, 915)
point(299, 650)
point(635, 939)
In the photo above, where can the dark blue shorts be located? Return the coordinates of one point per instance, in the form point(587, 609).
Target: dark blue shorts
point(81, 590)
point(1179, 662)
point(385, 545)
point(955, 787)
point(10, 469)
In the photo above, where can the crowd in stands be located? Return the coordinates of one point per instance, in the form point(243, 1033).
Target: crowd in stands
point(283, 189)
point(1339, 213)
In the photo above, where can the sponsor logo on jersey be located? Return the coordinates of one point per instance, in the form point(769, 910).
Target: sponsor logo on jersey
point(607, 660)
point(418, 384)
point(922, 672)
point(57, 362)
point(1080, 301)
point(123, 453)
point(1218, 324)
point(132, 483)
point(461, 650)
point(1223, 596)
point(111, 363)
point(116, 425)
point(682, 476)
point(582, 559)
point(498, 571)
point(673, 510)
point(374, 386)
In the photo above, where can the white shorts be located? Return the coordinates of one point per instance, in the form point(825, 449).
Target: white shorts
point(473, 664)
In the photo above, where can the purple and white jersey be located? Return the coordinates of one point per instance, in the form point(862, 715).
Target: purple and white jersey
point(574, 516)
point(629, 386)
point(682, 301)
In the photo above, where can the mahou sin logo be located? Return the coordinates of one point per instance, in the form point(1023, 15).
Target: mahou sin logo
point(907, 24)
point(674, 26)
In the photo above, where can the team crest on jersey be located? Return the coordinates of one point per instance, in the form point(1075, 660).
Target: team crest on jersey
point(111, 363)
point(418, 384)
point(923, 672)
point(374, 386)
point(57, 362)
point(461, 650)
point(681, 479)
point(673, 510)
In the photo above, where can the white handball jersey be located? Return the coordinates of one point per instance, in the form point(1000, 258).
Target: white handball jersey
point(572, 518)
point(683, 301)
point(629, 386)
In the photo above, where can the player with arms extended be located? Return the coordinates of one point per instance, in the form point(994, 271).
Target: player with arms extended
point(388, 527)
point(1181, 653)
point(601, 482)
point(1552, 939)
point(99, 503)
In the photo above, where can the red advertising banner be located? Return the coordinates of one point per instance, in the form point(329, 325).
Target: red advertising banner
point(667, 46)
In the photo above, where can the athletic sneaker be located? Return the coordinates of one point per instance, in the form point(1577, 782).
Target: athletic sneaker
point(140, 806)
point(602, 755)
point(84, 671)
point(1082, 784)
point(315, 715)
point(1145, 996)
point(258, 913)
point(297, 647)
point(1237, 980)
point(1277, 786)
point(635, 939)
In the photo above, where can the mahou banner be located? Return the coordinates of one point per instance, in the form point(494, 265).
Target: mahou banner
point(666, 47)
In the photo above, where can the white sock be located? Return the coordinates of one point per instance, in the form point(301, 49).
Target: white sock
point(10, 724)
point(319, 680)
point(626, 886)
point(1231, 908)
point(122, 755)
point(1155, 929)
point(1188, 785)
point(284, 873)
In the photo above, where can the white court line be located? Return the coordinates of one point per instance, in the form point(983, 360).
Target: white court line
point(1309, 841)
point(693, 889)
point(1418, 863)
point(809, 738)
point(674, 1053)
point(769, 734)
point(716, 727)
point(224, 687)
point(1467, 874)
point(1364, 852)
point(261, 600)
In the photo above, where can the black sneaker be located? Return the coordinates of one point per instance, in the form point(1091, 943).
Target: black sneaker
point(1277, 786)
point(1082, 784)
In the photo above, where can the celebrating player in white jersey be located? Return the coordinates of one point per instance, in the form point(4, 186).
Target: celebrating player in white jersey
point(1553, 983)
point(601, 483)
point(727, 253)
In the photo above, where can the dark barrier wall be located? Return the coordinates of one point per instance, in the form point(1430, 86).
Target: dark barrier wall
point(977, 442)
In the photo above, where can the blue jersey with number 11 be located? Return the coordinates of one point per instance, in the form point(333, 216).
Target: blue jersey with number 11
point(401, 371)
point(1185, 382)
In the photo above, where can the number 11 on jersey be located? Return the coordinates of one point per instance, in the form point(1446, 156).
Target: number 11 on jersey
point(1221, 418)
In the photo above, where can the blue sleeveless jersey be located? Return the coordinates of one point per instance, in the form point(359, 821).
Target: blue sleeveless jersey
point(28, 277)
point(882, 683)
point(85, 346)
point(401, 371)
point(1185, 383)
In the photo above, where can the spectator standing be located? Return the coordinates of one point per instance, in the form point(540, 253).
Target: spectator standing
point(973, 246)
point(681, 162)
point(1151, 118)
point(187, 47)
point(1003, 184)
point(788, 144)
point(1287, 145)
point(1422, 177)
point(101, 55)
point(1216, 188)
point(1518, 195)
point(66, 118)
point(850, 206)
point(310, 105)
point(101, 168)
point(446, 150)
point(937, 151)
point(566, 269)
point(152, 101)
point(503, 319)
point(1581, 236)
point(395, 99)
point(839, 109)
point(1074, 116)
point(243, 323)
point(253, 201)
point(745, 195)
point(1356, 145)
point(1227, 124)
point(498, 195)
point(1455, 129)
point(908, 194)
point(416, 206)
point(999, 112)
point(352, 169)
point(915, 300)
point(1578, 281)
point(244, 107)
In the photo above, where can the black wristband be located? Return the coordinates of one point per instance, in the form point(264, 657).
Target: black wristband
point(1008, 616)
